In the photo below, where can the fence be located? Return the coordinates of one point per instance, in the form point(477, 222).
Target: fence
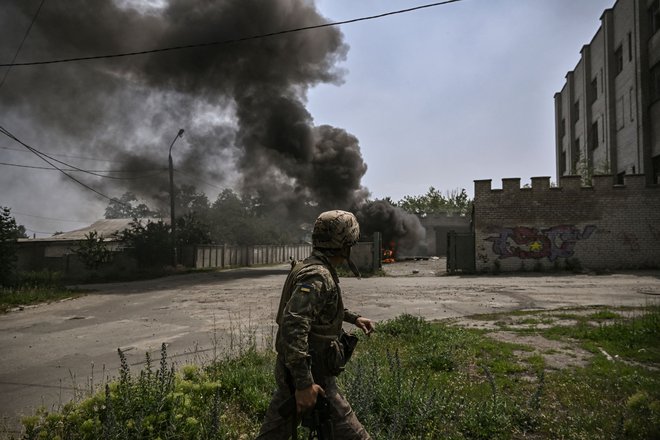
point(222, 256)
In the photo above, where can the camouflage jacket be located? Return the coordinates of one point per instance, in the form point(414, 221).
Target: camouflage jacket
point(311, 306)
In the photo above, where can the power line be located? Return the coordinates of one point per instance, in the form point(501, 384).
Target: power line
point(43, 157)
point(27, 32)
point(230, 41)
point(155, 172)
point(39, 232)
point(64, 155)
point(47, 218)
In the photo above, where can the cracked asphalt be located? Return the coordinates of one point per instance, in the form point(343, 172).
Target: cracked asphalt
point(51, 352)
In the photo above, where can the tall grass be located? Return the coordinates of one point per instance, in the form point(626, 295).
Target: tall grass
point(34, 287)
point(410, 380)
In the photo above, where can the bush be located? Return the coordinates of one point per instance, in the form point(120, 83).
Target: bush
point(40, 279)
point(9, 232)
point(149, 244)
point(195, 403)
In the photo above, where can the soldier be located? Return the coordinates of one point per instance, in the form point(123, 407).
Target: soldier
point(310, 343)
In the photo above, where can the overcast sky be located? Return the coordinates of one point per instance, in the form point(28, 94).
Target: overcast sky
point(438, 97)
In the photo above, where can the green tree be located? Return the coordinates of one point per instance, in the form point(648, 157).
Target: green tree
point(586, 170)
point(434, 202)
point(227, 215)
point(249, 220)
point(191, 229)
point(93, 251)
point(148, 243)
point(9, 233)
point(127, 206)
point(188, 199)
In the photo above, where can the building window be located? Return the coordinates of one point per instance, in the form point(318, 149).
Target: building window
point(593, 136)
point(655, 163)
point(654, 16)
point(618, 60)
point(619, 113)
point(631, 101)
point(576, 111)
point(629, 46)
point(619, 178)
point(655, 82)
point(562, 163)
point(593, 92)
point(562, 128)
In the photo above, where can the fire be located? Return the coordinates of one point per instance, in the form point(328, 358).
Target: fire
point(388, 254)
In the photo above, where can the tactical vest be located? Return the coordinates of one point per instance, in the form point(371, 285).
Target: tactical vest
point(329, 346)
point(318, 331)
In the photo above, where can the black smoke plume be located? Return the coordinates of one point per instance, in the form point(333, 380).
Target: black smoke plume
point(399, 228)
point(242, 105)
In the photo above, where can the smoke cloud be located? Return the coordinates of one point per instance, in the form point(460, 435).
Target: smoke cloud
point(398, 227)
point(242, 105)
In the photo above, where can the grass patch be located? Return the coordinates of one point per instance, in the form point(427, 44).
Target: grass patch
point(603, 315)
point(636, 338)
point(34, 288)
point(409, 380)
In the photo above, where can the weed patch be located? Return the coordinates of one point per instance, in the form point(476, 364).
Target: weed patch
point(409, 380)
point(34, 288)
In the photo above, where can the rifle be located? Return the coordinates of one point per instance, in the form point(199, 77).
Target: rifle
point(318, 420)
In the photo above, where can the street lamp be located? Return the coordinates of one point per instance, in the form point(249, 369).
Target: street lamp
point(172, 222)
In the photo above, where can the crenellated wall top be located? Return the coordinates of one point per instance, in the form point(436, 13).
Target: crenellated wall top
point(600, 183)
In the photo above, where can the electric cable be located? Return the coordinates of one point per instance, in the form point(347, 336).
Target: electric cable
point(27, 32)
point(230, 41)
point(63, 155)
point(38, 232)
point(40, 153)
point(155, 172)
point(43, 157)
point(47, 218)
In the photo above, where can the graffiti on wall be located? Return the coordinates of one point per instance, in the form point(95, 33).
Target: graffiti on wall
point(552, 243)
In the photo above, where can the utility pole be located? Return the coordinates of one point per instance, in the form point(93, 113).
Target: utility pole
point(172, 220)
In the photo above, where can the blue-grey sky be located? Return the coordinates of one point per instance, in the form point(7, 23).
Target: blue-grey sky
point(455, 93)
point(437, 97)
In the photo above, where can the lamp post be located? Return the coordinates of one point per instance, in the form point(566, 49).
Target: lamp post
point(172, 222)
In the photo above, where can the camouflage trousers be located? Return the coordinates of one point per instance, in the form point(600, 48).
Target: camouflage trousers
point(346, 426)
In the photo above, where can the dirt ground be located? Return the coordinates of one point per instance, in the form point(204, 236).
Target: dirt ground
point(51, 352)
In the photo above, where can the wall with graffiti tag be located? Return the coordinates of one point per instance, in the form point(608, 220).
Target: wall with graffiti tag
point(604, 226)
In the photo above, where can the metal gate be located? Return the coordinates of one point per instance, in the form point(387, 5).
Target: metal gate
point(460, 252)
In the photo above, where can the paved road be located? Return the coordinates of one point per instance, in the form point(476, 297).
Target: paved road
point(49, 350)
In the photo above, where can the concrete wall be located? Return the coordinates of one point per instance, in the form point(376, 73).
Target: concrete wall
point(221, 256)
point(604, 227)
point(224, 256)
point(57, 256)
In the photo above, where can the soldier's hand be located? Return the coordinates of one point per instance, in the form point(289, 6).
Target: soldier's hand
point(306, 399)
point(367, 325)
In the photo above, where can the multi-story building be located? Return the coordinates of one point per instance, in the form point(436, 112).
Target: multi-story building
point(607, 115)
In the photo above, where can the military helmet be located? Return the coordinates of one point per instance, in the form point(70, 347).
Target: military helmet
point(335, 230)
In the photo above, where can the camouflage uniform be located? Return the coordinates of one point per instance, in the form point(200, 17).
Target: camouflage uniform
point(311, 311)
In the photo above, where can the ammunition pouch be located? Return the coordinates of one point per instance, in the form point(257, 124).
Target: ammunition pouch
point(331, 354)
